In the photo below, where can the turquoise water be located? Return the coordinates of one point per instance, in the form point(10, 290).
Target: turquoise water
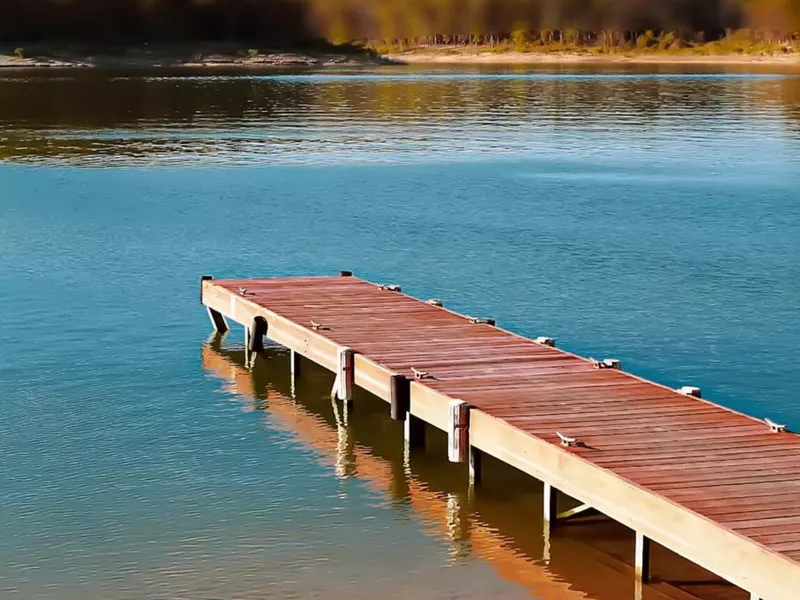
point(650, 217)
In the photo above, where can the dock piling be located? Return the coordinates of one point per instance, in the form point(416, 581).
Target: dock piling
point(550, 503)
point(414, 431)
point(294, 366)
point(257, 332)
point(642, 566)
point(458, 431)
point(475, 466)
point(345, 376)
point(294, 360)
point(399, 397)
point(218, 321)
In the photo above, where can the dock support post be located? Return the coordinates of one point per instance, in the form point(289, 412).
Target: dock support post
point(547, 544)
point(414, 431)
point(400, 397)
point(550, 512)
point(257, 332)
point(642, 567)
point(458, 431)
point(475, 466)
point(217, 321)
point(294, 365)
point(294, 359)
point(345, 376)
point(550, 503)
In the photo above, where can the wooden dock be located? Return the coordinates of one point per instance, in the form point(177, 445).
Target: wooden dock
point(714, 486)
point(566, 567)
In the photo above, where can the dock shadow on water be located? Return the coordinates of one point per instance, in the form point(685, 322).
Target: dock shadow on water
point(497, 523)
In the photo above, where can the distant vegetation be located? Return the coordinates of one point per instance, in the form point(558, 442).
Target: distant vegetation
point(646, 25)
point(742, 41)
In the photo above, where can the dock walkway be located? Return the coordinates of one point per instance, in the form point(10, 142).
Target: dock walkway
point(715, 486)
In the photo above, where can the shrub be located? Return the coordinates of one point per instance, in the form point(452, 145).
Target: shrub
point(520, 39)
point(741, 35)
point(646, 40)
point(19, 53)
point(252, 53)
point(571, 37)
point(669, 41)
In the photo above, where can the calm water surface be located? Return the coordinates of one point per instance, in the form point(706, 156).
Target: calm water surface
point(654, 217)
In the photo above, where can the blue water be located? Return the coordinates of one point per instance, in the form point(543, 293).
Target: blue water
point(651, 218)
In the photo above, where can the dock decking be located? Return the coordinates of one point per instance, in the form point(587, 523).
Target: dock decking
point(710, 484)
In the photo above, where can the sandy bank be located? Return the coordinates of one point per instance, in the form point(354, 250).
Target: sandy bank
point(522, 58)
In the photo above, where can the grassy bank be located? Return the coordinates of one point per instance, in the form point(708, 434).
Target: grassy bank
point(742, 46)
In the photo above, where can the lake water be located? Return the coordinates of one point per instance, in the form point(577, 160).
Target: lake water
point(650, 216)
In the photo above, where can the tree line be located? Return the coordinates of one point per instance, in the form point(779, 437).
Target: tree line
point(435, 21)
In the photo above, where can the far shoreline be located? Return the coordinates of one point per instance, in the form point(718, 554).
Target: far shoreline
point(177, 57)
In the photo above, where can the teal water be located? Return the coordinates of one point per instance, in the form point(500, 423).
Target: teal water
point(647, 216)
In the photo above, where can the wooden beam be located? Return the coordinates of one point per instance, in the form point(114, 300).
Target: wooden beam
point(584, 510)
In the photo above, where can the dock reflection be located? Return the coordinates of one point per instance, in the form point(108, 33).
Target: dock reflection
point(499, 523)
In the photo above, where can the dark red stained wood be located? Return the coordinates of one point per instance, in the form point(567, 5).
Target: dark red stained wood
point(721, 464)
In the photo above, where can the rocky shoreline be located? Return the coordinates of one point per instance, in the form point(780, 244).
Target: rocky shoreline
point(171, 57)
